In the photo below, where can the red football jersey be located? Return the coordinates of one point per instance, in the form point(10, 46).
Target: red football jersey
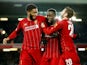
point(52, 47)
point(65, 28)
point(31, 30)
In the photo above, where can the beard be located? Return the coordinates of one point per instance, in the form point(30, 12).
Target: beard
point(31, 17)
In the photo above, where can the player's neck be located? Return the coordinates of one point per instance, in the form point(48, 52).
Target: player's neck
point(28, 19)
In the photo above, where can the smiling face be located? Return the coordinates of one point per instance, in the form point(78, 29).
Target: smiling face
point(32, 14)
point(50, 16)
point(67, 12)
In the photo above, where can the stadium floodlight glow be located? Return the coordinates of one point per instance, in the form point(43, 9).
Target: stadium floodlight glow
point(6, 50)
point(3, 32)
point(13, 49)
point(9, 49)
point(3, 19)
point(81, 49)
point(19, 19)
point(73, 18)
point(78, 20)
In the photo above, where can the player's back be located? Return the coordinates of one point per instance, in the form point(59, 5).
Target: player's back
point(65, 32)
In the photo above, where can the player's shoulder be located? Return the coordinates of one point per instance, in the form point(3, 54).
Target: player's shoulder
point(23, 20)
point(41, 17)
point(64, 21)
point(60, 22)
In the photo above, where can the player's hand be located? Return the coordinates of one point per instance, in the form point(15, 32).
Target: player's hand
point(5, 40)
point(55, 24)
point(42, 25)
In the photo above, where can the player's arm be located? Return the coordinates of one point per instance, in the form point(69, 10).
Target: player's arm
point(49, 30)
point(13, 34)
point(74, 36)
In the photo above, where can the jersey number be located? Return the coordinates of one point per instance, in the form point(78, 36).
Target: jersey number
point(71, 29)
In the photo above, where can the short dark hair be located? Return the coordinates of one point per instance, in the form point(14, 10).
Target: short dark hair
point(52, 10)
point(30, 7)
point(69, 11)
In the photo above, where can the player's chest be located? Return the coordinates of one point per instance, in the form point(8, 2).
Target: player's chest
point(31, 26)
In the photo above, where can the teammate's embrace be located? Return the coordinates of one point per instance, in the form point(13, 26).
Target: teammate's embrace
point(52, 52)
point(65, 27)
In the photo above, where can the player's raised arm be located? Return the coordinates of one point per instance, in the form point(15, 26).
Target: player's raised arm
point(13, 34)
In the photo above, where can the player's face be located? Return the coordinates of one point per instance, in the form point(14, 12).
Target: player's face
point(50, 16)
point(32, 14)
point(63, 13)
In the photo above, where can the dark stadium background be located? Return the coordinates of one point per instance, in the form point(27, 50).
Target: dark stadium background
point(16, 9)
